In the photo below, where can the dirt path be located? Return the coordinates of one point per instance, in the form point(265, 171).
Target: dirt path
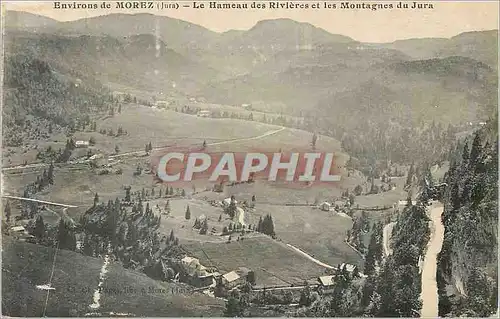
point(241, 216)
point(311, 257)
point(249, 138)
point(387, 238)
point(429, 294)
point(102, 276)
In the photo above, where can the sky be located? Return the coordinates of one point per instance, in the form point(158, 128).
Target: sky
point(447, 19)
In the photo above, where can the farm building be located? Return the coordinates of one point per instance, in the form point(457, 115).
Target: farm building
point(99, 160)
point(350, 268)
point(231, 280)
point(195, 273)
point(326, 281)
point(227, 201)
point(20, 233)
point(404, 202)
point(204, 113)
point(17, 229)
point(82, 144)
point(339, 203)
point(161, 104)
point(325, 206)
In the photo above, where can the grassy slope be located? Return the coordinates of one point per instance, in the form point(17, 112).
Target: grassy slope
point(263, 255)
point(76, 276)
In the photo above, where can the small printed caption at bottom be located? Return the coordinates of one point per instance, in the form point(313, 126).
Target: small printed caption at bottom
point(228, 5)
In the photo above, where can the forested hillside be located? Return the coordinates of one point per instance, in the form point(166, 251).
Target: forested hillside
point(468, 270)
point(38, 99)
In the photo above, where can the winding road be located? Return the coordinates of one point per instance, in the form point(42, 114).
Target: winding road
point(429, 294)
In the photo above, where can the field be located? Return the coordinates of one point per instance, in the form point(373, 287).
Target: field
point(273, 262)
point(76, 277)
point(320, 234)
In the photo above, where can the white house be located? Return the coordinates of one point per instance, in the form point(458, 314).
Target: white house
point(227, 201)
point(326, 281)
point(161, 104)
point(404, 202)
point(231, 279)
point(18, 229)
point(325, 206)
point(204, 113)
point(348, 267)
point(82, 144)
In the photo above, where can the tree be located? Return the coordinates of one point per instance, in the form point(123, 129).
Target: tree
point(39, 230)
point(50, 174)
point(313, 142)
point(358, 190)
point(167, 207)
point(233, 308)
point(188, 213)
point(127, 194)
point(411, 172)
point(87, 247)
point(251, 277)
point(204, 227)
point(7, 211)
point(65, 238)
point(305, 295)
point(231, 209)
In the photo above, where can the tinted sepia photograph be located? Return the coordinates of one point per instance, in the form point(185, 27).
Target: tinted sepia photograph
point(249, 159)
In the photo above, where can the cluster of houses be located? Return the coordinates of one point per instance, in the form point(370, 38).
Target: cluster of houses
point(327, 282)
point(197, 275)
point(333, 206)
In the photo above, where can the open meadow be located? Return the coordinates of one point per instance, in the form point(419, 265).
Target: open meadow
point(273, 262)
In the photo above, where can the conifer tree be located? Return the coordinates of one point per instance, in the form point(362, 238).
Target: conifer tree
point(7, 211)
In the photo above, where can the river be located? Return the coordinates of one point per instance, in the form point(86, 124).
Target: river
point(429, 294)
